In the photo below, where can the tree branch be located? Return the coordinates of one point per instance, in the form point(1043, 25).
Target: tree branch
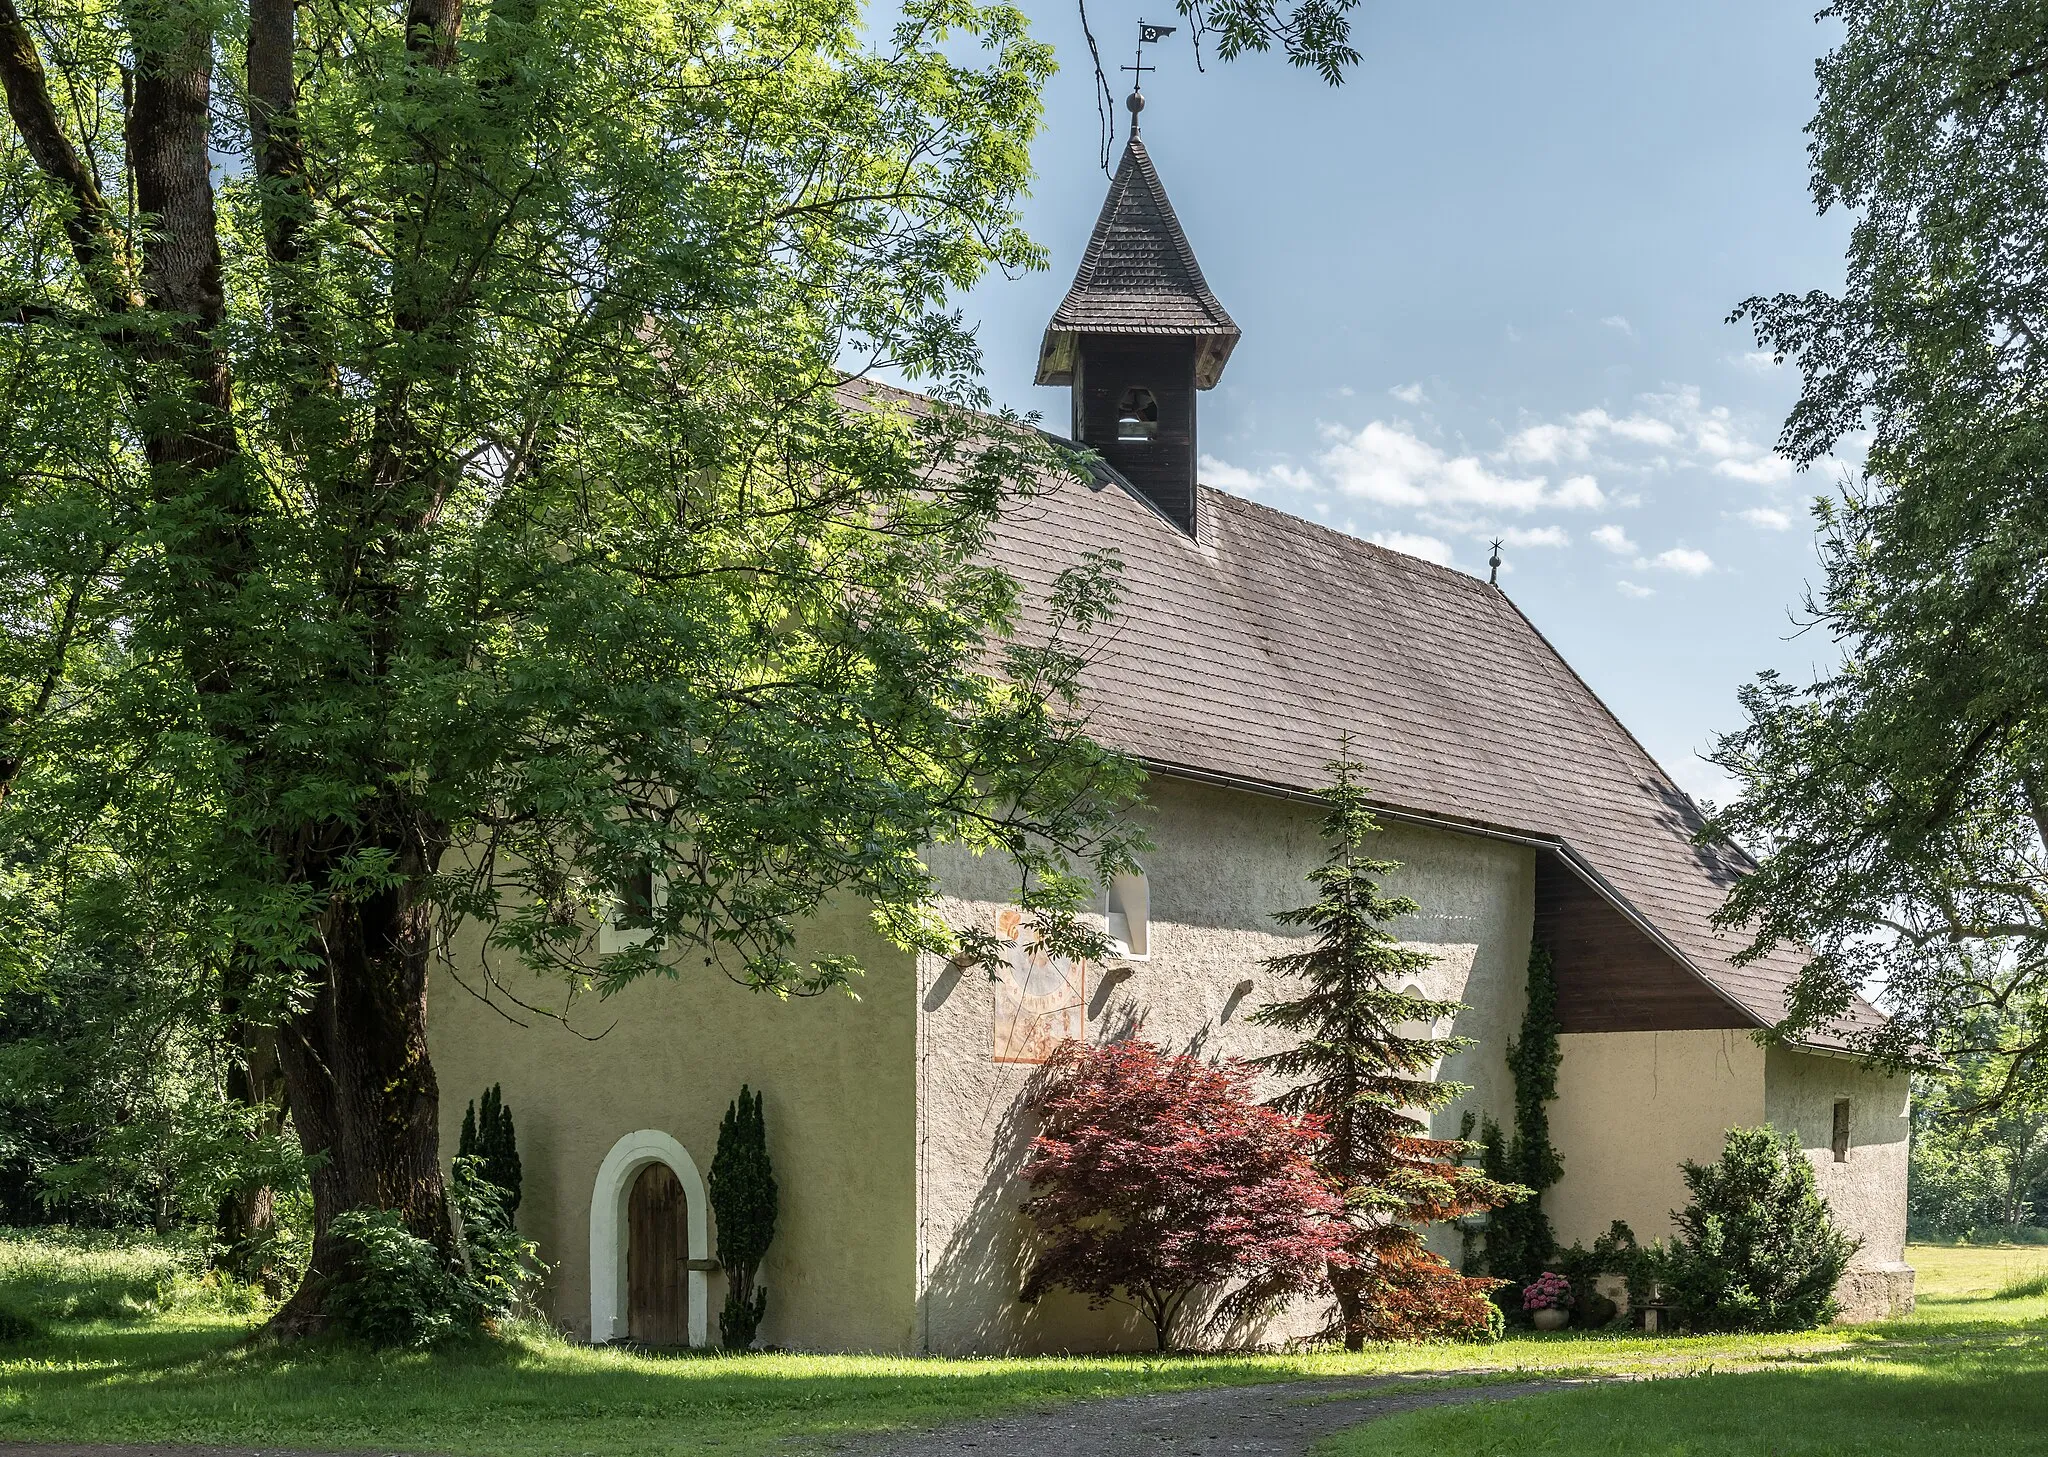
point(90, 227)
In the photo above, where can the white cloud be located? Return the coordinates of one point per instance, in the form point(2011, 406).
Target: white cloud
point(1630, 589)
point(1227, 477)
point(1674, 423)
point(1409, 394)
point(1760, 360)
point(1390, 466)
point(1576, 436)
point(1579, 493)
point(1615, 540)
point(1759, 471)
point(1768, 519)
point(1619, 324)
point(1684, 560)
point(1429, 548)
point(1532, 536)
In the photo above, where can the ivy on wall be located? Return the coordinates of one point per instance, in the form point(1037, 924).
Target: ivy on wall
point(1519, 1240)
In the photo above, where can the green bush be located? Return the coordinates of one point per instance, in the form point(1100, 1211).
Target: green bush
point(394, 1288)
point(1756, 1249)
point(488, 1137)
point(501, 1265)
point(1613, 1253)
point(743, 1201)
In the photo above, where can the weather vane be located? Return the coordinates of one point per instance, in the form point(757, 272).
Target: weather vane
point(1493, 562)
point(1148, 34)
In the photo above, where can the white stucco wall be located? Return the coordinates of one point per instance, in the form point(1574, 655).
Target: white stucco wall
point(1867, 1190)
point(1224, 863)
point(668, 1056)
point(1630, 1107)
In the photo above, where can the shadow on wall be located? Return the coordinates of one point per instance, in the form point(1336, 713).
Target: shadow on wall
point(971, 1304)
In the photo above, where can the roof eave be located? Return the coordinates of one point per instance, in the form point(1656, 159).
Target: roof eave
point(1061, 345)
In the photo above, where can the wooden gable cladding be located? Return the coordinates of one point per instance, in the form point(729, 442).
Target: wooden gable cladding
point(1611, 975)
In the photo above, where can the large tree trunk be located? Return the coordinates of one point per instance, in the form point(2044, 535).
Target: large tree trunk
point(362, 1090)
point(1346, 1284)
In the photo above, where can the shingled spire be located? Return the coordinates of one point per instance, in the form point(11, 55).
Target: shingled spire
point(1136, 336)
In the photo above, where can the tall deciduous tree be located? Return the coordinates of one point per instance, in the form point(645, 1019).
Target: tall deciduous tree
point(1899, 805)
point(442, 413)
point(1363, 1067)
point(1157, 1175)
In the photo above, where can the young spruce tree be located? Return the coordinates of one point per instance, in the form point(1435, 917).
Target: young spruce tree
point(1356, 1068)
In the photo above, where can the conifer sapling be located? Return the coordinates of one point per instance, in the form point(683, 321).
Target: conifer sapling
point(1365, 1078)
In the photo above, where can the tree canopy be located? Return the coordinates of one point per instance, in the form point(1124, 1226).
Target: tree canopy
point(433, 452)
point(1899, 805)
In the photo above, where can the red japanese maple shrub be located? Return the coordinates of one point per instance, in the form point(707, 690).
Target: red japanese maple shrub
point(1157, 1174)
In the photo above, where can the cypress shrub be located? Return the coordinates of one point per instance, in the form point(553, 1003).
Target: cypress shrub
point(743, 1197)
point(488, 1137)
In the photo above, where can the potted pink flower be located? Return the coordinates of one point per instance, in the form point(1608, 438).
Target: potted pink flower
point(1548, 1299)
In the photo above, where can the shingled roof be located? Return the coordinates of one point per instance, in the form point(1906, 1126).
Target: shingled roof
point(1242, 654)
point(1138, 277)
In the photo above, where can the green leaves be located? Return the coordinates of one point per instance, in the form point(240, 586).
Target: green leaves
point(1897, 804)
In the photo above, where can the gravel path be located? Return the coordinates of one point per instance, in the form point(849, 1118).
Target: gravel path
point(1279, 1420)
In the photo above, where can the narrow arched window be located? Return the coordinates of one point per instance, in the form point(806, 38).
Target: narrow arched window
point(1137, 418)
point(1127, 915)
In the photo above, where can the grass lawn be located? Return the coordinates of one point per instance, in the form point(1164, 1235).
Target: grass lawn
point(148, 1353)
point(1968, 1373)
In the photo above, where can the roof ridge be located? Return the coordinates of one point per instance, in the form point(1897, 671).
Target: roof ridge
point(1348, 539)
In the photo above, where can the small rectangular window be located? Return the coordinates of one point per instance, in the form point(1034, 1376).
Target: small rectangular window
point(630, 920)
point(636, 897)
point(1841, 1140)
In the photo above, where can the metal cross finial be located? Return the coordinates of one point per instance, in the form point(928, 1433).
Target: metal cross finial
point(1148, 34)
point(1493, 563)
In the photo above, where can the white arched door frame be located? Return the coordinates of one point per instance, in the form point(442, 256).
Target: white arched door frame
point(608, 1227)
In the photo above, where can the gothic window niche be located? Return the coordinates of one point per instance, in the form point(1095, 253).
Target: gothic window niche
point(1127, 916)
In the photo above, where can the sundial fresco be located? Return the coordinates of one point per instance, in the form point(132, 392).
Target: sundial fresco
point(1039, 999)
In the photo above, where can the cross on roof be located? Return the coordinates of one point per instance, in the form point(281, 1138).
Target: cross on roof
point(1148, 33)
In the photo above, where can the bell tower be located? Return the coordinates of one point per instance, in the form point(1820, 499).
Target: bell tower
point(1137, 335)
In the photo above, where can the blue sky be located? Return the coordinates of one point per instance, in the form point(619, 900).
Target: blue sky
point(1482, 287)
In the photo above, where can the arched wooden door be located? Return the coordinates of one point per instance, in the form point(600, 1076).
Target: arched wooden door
point(657, 1259)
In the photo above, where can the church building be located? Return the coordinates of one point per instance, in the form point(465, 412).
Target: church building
point(1249, 642)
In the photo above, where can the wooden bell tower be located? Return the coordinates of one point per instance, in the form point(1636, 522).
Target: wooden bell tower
point(1136, 336)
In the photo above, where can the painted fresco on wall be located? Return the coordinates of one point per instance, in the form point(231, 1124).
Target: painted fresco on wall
point(1040, 1000)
